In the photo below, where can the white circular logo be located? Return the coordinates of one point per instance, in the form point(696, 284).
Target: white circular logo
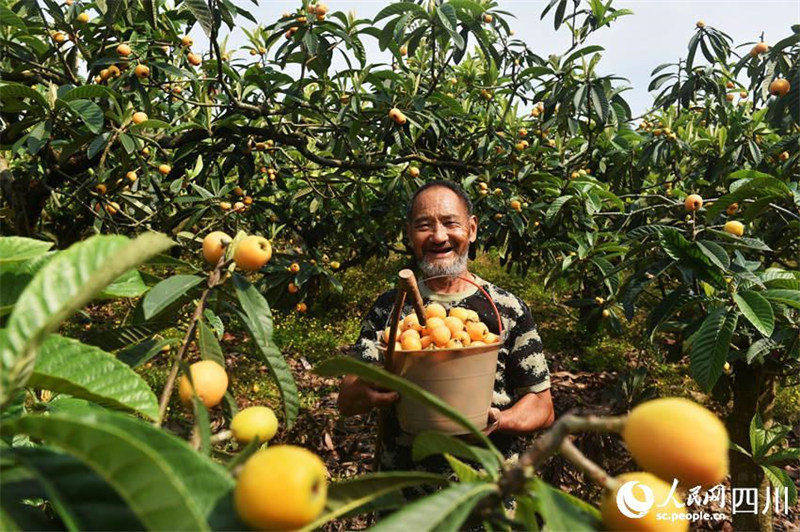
point(629, 504)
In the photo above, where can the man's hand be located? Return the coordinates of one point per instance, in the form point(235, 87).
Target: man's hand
point(532, 411)
point(357, 396)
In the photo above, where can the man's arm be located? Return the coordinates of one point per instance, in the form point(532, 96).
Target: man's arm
point(357, 396)
point(532, 411)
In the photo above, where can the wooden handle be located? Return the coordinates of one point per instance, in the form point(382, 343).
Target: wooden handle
point(394, 321)
point(409, 282)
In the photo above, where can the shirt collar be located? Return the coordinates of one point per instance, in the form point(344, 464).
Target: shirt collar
point(430, 295)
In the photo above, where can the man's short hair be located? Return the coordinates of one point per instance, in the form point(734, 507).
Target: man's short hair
point(444, 183)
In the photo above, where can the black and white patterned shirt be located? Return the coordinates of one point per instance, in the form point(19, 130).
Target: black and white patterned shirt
point(521, 365)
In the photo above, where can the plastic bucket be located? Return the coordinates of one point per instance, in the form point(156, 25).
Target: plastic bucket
point(463, 378)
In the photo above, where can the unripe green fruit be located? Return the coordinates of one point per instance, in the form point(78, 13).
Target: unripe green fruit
point(254, 422)
point(677, 438)
point(613, 519)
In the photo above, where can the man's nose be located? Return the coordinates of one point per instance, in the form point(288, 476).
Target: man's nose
point(439, 234)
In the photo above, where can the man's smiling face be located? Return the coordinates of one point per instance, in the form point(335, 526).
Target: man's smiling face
point(440, 231)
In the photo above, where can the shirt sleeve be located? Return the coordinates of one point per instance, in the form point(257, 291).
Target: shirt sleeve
point(366, 347)
point(526, 366)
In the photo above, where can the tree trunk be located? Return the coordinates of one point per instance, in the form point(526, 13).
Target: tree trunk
point(753, 391)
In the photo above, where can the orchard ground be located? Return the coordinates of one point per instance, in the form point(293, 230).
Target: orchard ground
point(602, 374)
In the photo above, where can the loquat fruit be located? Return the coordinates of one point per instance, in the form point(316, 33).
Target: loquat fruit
point(209, 381)
point(214, 245)
point(255, 422)
point(252, 253)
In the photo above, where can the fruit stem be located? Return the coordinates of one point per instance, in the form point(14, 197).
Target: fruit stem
point(514, 478)
point(221, 436)
point(591, 469)
point(214, 278)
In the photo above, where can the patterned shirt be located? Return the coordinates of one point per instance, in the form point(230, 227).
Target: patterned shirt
point(521, 366)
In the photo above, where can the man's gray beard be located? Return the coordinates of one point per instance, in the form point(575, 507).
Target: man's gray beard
point(456, 267)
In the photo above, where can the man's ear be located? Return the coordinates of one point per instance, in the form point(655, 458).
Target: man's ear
point(407, 234)
point(473, 228)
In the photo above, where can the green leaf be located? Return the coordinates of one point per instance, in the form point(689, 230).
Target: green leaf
point(757, 310)
point(80, 496)
point(790, 298)
point(398, 8)
point(554, 207)
point(68, 366)
point(710, 346)
point(780, 479)
point(165, 483)
point(66, 283)
point(715, 253)
point(17, 248)
point(15, 277)
point(137, 354)
point(201, 13)
point(444, 510)
point(18, 91)
point(258, 319)
point(208, 344)
point(580, 52)
point(788, 456)
point(167, 292)
point(463, 471)
point(89, 112)
point(344, 365)
point(129, 284)
point(562, 511)
point(89, 91)
point(763, 186)
point(349, 495)
point(430, 443)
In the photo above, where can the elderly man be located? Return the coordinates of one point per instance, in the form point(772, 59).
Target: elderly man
point(440, 228)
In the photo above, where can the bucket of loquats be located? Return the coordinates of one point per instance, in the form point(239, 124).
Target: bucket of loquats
point(453, 357)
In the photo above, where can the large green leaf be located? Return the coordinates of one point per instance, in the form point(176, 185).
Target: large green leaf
point(129, 284)
point(398, 8)
point(790, 298)
point(562, 511)
point(68, 281)
point(89, 112)
point(80, 497)
point(344, 365)
point(444, 510)
point(167, 292)
point(430, 443)
point(165, 483)
point(68, 366)
point(15, 277)
point(757, 310)
point(258, 319)
point(349, 495)
point(763, 186)
point(710, 346)
point(781, 480)
point(17, 248)
point(202, 14)
point(208, 344)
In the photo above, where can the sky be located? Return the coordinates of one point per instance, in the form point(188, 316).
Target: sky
point(657, 32)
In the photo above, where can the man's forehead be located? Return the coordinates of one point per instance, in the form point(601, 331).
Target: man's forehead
point(439, 201)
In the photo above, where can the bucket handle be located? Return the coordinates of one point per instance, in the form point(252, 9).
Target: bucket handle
point(485, 293)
